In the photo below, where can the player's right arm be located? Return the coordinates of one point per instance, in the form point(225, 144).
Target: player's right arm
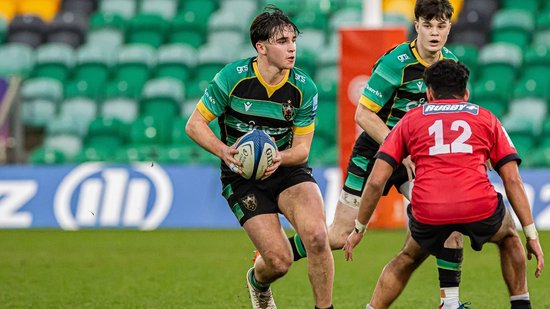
point(371, 123)
point(210, 106)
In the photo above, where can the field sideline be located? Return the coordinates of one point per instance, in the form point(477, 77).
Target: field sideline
point(206, 269)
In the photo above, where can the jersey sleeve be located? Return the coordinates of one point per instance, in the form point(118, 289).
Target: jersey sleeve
point(385, 78)
point(503, 150)
point(216, 96)
point(393, 149)
point(305, 115)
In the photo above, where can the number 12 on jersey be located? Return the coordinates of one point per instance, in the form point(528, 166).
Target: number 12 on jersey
point(459, 145)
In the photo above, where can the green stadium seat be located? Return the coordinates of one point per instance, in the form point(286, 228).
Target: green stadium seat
point(123, 109)
point(512, 26)
point(54, 60)
point(290, 7)
point(38, 112)
point(125, 8)
point(536, 62)
point(164, 8)
point(497, 107)
point(179, 136)
point(16, 59)
point(491, 90)
point(393, 19)
point(150, 131)
point(109, 39)
point(194, 89)
point(312, 38)
point(312, 18)
point(107, 20)
point(42, 88)
point(531, 88)
point(329, 56)
point(542, 20)
point(529, 6)
point(539, 157)
point(176, 154)
point(211, 59)
point(231, 40)
point(82, 88)
point(93, 65)
point(499, 62)
point(46, 156)
point(526, 117)
point(93, 154)
point(224, 20)
point(134, 65)
point(325, 123)
point(148, 29)
point(40, 97)
point(128, 154)
point(467, 54)
point(187, 28)
point(176, 61)
point(106, 30)
point(106, 132)
point(83, 110)
point(306, 59)
point(161, 98)
point(326, 79)
point(65, 135)
point(199, 9)
point(344, 17)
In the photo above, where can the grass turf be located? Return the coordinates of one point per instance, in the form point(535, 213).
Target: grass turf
point(206, 269)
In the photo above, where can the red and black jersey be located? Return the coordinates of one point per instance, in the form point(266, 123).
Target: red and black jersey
point(449, 141)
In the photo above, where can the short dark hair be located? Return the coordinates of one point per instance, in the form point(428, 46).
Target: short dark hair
point(270, 21)
point(447, 79)
point(429, 9)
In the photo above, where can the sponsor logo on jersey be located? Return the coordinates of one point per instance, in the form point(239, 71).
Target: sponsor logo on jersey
point(300, 78)
point(242, 68)
point(247, 106)
point(249, 202)
point(429, 109)
point(374, 91)
point(403, 57)
point(288, 110)
point(419, 84)
point(211, 98)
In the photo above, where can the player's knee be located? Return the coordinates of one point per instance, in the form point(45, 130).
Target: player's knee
point(407, 260)
point(278, 263)
point(316, 241)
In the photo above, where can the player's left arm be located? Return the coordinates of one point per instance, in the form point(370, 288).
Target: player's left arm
point(515, 192)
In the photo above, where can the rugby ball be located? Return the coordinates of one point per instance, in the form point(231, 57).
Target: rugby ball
point(256, 153)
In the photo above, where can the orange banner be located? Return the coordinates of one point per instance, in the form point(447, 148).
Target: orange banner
point(359, 50)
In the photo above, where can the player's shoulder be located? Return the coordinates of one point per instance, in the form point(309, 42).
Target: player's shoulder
point(398, 57)
point(235, 71)
point(448, 54)
point(302, 80)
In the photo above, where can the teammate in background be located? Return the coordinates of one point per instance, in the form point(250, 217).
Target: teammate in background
point(450, 140)
point(396, 86)
point(266, 92)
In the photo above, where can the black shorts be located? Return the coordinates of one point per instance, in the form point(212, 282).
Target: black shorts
point(360, 166)
point(432, 237)
point(249, 198)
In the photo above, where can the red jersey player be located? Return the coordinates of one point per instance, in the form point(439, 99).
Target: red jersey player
point(449, 140)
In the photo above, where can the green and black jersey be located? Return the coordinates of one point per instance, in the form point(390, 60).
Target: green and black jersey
point(396, 84)
point(395, 87)
point(241, 100)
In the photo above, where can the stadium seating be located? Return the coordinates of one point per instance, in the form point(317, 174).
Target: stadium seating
point(143, 65)
point(54, 60)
